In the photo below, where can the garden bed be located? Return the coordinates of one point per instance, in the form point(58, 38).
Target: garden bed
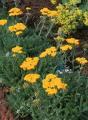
point(43, 60)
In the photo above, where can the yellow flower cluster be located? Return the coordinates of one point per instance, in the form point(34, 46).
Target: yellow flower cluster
point(52, 51)
point(81, 60)
point(15, 11)
point(49, 13)
point(52, 84)
point(65, 48)
point(31, 78)
point(3, 22)
point(17, 49)
point(29, 63)
point(18, 28)
point(72, 41)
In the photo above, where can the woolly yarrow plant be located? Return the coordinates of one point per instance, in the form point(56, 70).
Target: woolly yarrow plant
point(41, 84)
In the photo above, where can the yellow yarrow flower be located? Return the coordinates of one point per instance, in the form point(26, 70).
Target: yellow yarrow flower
point(12, 29)
point(3, 22)
point(52, 84)
point(31, 78)
point(29, 63)
point(44, 11)
point(65, 48)
point(15, 11)
point(49, 13)
point(52, 51)
point(19, 27)
point(17, 49)
point(43, 54)
point(72, 41)
point(81, 60)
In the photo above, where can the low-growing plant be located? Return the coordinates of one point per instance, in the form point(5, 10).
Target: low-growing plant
point(44, 77)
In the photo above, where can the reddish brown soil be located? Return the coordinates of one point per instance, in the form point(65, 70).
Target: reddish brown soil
point(5, 112)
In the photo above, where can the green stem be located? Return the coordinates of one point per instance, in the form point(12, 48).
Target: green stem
point(65, 61)
point(42, 27)
point(51, 26)
point(37, 27)
point(73, 57)
point(79, 76)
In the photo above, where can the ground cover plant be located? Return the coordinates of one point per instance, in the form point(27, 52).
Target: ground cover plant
point(40, 64)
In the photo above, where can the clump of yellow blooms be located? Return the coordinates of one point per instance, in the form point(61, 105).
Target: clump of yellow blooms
point(52, 84)
point(81, 60)
point(17, 49)
point(65, 48)
point(52, 51)
point(44, 11)
point(72, 41)
point(49, 13)
point(15, 11)
point(31, 78)
point(17, 27)
point(3, 22)
point(30, 63)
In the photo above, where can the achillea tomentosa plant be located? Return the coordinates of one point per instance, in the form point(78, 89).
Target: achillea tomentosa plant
point(36, 72)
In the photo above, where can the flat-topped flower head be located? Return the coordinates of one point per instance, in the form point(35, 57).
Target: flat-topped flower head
point(44, 11)
point(72, 41)
point(19, 27)
point(29, 63)
point(52, 51)
point(81, 60)
point(43, 54)
point(15, 11)
point(52, 84)
point(31, 78)
point(12, 28)
point(17, 49)
point(3, 22)
point(65, 48)
point(48, 12)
